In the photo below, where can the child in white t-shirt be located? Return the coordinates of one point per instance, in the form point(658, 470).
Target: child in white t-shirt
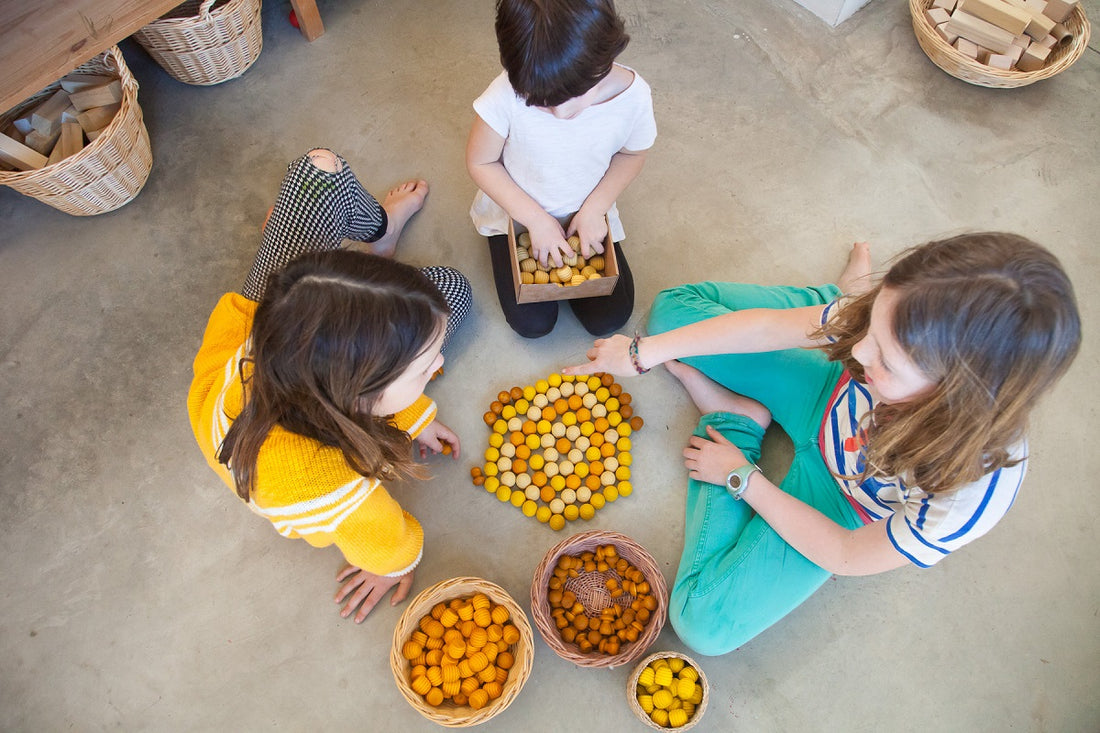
point(557, 137)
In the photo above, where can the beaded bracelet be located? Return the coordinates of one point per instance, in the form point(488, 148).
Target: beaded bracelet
point(634, 355)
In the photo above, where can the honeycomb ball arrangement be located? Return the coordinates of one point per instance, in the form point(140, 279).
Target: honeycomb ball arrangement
point(669, 692)
point(574, 271)
point(599, 601)
point(559, 450)
point(462, 652)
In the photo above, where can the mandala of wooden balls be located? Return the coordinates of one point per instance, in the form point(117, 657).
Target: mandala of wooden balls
point(559, 450)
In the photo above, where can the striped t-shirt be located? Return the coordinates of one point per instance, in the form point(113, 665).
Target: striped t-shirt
point(924, 527)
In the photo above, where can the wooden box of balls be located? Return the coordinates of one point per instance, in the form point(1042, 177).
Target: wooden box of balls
point(585, 279)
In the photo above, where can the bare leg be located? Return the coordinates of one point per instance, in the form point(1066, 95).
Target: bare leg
point(400, 204)
point(709, 396)
point(856, 278)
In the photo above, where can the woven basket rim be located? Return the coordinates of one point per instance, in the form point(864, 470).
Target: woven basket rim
point(632, 683)
point(638, 556)
point(954, 63)
point(448, 714)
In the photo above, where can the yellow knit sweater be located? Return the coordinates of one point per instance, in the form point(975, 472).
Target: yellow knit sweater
point(306, 489)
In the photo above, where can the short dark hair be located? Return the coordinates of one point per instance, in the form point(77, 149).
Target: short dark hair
point(555, 50)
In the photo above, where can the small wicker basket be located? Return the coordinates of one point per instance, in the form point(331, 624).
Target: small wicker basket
point(632, 684)
point(106, 174)
point(448, 714)
point(636, 555)
point(200, 45)
point(945, 56)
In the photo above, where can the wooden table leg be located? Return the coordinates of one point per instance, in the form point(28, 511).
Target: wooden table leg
point(309, 19)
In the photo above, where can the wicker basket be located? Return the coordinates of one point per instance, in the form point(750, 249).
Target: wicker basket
point(636, 555)
point(106, 174)
point(448, 714)
point(959, 66)
point(197, 45)
point(632, 684)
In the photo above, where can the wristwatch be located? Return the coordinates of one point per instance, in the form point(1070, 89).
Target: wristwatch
point(738, 479)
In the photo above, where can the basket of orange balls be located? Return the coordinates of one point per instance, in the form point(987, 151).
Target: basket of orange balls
point(599, 599)
point(462, 652)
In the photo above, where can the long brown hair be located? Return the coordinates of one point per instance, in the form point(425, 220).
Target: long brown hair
point(992, 319)
point(333, 330)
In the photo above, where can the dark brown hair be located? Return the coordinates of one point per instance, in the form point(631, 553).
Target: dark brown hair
point(992, 319)
point(333, 330)
point(554, 50)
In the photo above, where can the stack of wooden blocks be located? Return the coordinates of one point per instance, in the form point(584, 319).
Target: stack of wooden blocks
point(1011, 35)
point(55, 129)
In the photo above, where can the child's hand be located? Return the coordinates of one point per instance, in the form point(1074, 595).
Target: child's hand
point(611, 355)
point(366, 589)
point(438, 438)
point(548, 242)
point(712, 460)
point(591, 228)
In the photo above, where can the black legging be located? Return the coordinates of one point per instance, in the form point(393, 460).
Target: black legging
point(600, 315)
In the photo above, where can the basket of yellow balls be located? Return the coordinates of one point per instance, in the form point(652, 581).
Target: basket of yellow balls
point(599, 599)
point(462, 652)
point(668, 690)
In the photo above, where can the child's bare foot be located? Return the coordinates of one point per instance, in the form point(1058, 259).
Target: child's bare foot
point(856, 278)
point(709, 396)
point(400, 204)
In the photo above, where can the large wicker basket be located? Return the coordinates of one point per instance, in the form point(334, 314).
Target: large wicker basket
point(632, 684)
point(945, 56)
point(106, 174)
point(448, 714)
point(199, 44)
point(636, 555)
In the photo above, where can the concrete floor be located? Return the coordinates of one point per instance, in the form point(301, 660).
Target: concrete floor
point(138, 592)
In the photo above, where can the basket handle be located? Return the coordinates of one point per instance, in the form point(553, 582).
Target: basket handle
point(204, 9)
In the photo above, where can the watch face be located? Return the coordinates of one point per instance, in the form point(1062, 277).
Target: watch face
point(734, 481)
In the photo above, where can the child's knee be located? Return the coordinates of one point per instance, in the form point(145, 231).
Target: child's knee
point(702, 632)
point(326, 160)
point(662, 316)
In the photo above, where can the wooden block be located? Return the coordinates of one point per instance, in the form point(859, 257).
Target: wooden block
point(980, 31)
point(18, 155)
point(983, 55)
point(948, 5)
point(1048, 42)
point(47, 116)
point(1015, 53)
point(93, 134)
point(42, 143)
point(947, 35)
point(79, 82)
point(97, 118)
point(71, 142)
point(1040, 25)
point(1000, 61)
point(69, 115)
point(23, 124)
point(1033, 58)
point(97, 96)
point(13, 132)
point(999, 13)
point(1059, 10)
point(967, 48)
point(1061, 33)
point(936, 16)
point(1022, 41)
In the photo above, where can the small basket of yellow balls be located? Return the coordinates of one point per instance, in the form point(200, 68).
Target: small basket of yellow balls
point(462, 652)
point(599, 599)
point(668, 691)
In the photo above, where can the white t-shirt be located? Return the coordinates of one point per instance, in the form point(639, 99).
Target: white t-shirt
point(558, 162)
point(923, 527)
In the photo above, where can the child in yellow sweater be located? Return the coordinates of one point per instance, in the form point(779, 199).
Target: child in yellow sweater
point(308, 386)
